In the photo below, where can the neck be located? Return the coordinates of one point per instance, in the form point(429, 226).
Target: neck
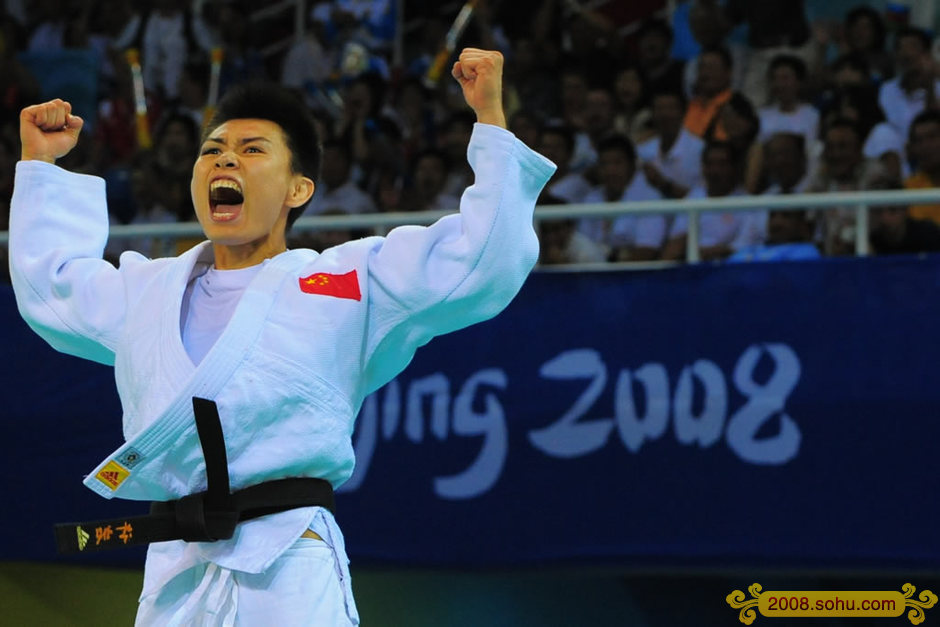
point(667, 139)
point(246, 255)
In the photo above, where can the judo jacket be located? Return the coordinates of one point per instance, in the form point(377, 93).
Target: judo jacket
point(312, 335)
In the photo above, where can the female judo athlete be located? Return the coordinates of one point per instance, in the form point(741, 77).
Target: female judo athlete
point(276, 347)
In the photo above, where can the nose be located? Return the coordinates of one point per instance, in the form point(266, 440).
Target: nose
point(225, 160)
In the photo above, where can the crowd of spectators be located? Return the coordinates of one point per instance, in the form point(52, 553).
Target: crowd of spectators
point(695, 99)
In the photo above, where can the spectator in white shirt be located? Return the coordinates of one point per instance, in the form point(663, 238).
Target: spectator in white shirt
point(720, 233)
point(336, 189)
point(917, 86)
point(556, 142)
point(629, 237)
point(787, 113)
point(672, 159)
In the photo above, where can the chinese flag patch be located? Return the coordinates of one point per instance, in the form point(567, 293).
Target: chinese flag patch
point(338, 285)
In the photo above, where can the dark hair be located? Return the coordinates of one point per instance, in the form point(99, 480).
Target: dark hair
point(616, 141)
point(670, 93)
point(561, 130)
point(863, 12)
point(174, 116)
point(917, 33)
point(843, 122)
point(928, 116)
point(851, 60)
point(721, 51)
point(788, 60)
point(272, 102)
point(721, 144)
point(655, 26)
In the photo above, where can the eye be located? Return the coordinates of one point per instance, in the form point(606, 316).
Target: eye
point(210, 151)
point(253, 149)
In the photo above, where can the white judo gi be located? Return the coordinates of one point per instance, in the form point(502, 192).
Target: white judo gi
point(312, 335)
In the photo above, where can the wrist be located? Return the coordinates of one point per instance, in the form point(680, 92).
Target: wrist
point(494, 116)
point(25, 156)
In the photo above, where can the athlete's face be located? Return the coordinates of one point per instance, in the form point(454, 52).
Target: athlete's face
point(243, 185)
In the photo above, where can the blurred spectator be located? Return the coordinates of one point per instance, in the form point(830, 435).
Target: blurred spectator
point(453, 139)
point(629, 237)
point(631, 112)
point(166, 39)
point(18, 87)
point(574, 88)
point(924, 149)
point(789, 238)
point(598, 114)
point(738, 124)
point(774, 27)
point(533, 78)
point(720, 233)
point(787, 112)
point(175, 144)
point(335, 188)
point(427, 189)
point(654, 43)
point(308, 63)
point(712, 89)
point(672, 159)
point(241, 60)
point(50, 20)
point(786, 164)
point(893, 231)
point(556, 142)
point(917, 86)
point(865, 35)
point(369, 22)
point(849, 70)
point(147, 209)
point(524, 125)
point(560, 241)
point(375, 138)
point(843, 168)
point(710, 28)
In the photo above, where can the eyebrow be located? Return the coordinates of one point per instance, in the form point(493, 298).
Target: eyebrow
point(246, 140)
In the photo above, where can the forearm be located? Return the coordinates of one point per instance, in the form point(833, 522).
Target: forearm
point(56, 246)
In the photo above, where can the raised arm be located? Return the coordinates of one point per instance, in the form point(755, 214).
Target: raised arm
point(466, 267)
point(64, 289)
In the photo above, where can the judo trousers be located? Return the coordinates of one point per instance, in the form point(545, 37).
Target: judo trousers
point(308, 585)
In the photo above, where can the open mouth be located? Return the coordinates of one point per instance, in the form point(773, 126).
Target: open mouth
point(225, 200)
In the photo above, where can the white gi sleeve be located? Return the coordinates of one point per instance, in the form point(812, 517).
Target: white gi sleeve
point(465, 268)
point(65, 290)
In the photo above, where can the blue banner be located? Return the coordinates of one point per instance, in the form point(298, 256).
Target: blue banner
point(758, 416)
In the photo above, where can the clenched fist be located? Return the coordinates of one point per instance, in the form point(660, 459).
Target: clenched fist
point(480, 74)
point(48, 131)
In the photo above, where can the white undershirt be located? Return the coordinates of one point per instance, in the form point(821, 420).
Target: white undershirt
point(208, 304)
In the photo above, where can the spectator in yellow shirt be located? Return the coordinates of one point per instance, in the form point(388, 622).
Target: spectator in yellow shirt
point(924, 150)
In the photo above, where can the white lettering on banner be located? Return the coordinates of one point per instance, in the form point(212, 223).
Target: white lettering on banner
point(483, 472)
point(570, 436)
point(476, 411)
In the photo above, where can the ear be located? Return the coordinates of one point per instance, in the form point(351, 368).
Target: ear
point(301, 191)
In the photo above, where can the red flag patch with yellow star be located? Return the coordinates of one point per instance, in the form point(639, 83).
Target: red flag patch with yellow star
point(338, 285)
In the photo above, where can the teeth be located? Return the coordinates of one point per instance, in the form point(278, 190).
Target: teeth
point(225, 183)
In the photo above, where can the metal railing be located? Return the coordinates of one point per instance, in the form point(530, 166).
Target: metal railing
point(860, 201)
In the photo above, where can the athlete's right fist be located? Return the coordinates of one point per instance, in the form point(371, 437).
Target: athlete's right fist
point(48, 130)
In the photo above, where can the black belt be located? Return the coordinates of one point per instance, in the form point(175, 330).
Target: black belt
point(202, 517)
